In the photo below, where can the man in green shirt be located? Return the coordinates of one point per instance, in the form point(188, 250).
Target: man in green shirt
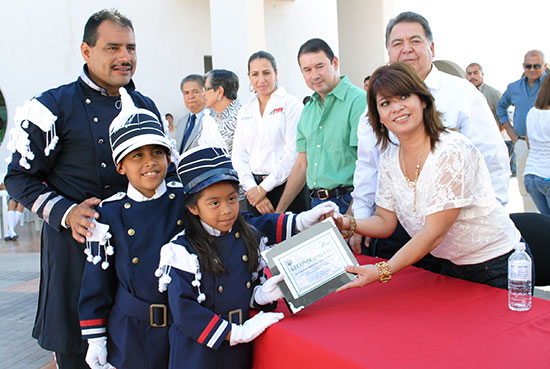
point(326, 140)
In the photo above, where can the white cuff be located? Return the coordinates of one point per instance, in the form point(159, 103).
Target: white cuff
point(63, 223)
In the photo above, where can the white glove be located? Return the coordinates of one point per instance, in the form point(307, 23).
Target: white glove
point(269, 291)
point(308, 218)
point(96, 356)
point(253, 327)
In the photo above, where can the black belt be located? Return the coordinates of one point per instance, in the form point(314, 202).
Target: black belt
point(324, 194)
point(158, 315)
point(521, 137)
point(259, 178)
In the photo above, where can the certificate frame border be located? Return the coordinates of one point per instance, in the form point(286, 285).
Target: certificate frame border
point(297, 304)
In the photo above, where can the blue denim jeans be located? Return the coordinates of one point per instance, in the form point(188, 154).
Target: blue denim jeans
point(342, 201)
point(539, 189)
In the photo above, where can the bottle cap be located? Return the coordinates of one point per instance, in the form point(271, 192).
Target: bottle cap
point(520, 246)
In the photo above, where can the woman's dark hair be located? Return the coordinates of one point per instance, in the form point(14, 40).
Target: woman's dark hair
point(399, 79)
point(543, 100)
point(226, 79)
point(205, 245)
point(263, 55)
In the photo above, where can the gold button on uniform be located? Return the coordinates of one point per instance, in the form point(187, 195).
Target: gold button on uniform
point(135, 260)
point(172, 196)
point(96, 119)
point(131, 232)
point(237, 235)
point(127, 205)
point(248, 284)
point(220, 289)
point(180, 222)
point(245, 258)
point(88, 101)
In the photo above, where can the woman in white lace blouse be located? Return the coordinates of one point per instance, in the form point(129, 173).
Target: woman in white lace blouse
point(436, 183)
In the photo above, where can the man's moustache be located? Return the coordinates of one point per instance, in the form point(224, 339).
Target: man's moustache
point(122, 65)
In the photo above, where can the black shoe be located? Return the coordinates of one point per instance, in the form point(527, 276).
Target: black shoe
point(14, 237)
point(8, 238)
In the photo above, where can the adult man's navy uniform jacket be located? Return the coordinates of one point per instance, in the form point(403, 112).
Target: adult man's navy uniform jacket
point(65, 159)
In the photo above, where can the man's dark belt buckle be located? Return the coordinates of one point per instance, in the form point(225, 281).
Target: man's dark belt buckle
point(323, 194)
point(238, 312)
point(152, 315)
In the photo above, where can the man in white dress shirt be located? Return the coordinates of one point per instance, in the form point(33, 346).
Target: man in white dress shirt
point(409, 39)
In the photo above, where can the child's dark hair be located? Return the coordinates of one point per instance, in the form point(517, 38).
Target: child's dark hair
point(206, 246)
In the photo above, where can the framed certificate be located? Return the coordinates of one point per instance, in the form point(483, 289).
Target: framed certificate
point(313, 263)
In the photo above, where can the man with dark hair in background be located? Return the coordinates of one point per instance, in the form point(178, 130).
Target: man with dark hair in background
point(67, 167)
point(326, 141)
point(189, 126)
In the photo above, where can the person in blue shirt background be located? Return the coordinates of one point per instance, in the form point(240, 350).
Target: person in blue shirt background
point(522, 95)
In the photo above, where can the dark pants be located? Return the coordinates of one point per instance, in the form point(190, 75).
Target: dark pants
point(492, 272)
point(387, 247)
point(70, 361)
point(301, 202)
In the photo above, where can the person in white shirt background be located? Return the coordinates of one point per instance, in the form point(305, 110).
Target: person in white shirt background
point(264, 144)
point(537, 166)
point(409, 39)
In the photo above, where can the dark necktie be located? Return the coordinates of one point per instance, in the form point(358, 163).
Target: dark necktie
point(188, 130)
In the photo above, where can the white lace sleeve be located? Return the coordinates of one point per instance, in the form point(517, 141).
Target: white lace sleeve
point(385, 193)
point(461, 180)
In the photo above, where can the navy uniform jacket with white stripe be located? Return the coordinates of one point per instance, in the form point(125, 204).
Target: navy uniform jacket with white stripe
point(139, 230)
point(80, 166)
point(199, 329)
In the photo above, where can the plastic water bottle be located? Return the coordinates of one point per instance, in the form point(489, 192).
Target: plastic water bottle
point(519, 279)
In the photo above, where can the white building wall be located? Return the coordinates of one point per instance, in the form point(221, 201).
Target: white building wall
point(361, 36)
point(288, 25)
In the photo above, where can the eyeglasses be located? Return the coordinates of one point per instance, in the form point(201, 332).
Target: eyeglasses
point(529, 66)
point(211, 88)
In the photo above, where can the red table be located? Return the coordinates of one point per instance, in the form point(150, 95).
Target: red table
point(418, 320)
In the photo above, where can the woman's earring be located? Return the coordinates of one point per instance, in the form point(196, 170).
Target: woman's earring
point(251, 88)
point(276, 84)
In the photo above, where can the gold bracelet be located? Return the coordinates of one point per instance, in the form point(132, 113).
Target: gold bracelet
point(259, 188)
point(384, 272)
point(352, 227)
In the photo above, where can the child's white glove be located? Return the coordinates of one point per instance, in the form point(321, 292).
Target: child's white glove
point(308, 218)
point(253, 327)
point(269, 291)
point(96, 356)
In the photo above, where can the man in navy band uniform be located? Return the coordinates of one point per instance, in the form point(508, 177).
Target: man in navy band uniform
point(61, 166)
point(189, 128)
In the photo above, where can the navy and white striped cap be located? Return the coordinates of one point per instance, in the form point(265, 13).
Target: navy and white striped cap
point(133, 128)
point(202, 166)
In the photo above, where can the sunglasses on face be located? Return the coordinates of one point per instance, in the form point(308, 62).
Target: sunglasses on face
point(529, 66)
